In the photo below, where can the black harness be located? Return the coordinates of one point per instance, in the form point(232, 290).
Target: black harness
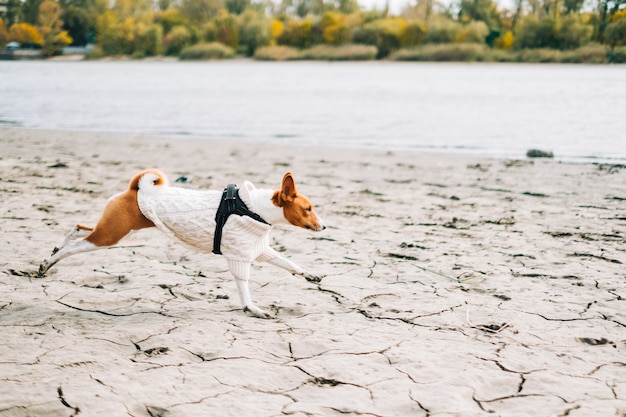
point(231, 203)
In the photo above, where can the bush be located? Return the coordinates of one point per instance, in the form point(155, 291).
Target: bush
point(588, 54)
point(414, 34)
point(504, 41)
point(473, 32)
point(276, 53)
point(95, 53)
point(206, 51)
point(177, 40)
point(534, 32)
point(340, 53)
point(148, 40)
point(385, 34)
point(442, 30)
point(573, 33)
point(444, 52)
point(540, 55)
point(296, 33)
point(617, 55)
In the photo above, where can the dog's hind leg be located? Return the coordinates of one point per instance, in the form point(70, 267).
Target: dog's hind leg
point(79, 229)
point(241, 272)
point(71, 248)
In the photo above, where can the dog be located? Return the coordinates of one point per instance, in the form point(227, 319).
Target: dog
point(235, 223)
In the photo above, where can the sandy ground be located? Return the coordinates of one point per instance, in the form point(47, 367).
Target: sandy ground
point(455, 286)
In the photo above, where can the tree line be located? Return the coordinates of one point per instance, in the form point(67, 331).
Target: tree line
point(167, 27)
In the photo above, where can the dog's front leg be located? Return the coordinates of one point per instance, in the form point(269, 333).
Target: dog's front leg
point(241, 272)
point(274, 258)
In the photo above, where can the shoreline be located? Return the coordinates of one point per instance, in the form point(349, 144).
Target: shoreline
point(455, 285)
point(426, 150)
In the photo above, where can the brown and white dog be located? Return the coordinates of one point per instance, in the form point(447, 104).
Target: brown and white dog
point(189, 217)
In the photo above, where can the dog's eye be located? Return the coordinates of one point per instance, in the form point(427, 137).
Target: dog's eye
point(309, 208)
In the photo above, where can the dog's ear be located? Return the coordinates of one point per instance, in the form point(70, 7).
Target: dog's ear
point(289, 186)
point(249, 186)
point(287, 191)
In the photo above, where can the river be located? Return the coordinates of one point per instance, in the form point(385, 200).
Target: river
point(500, 110)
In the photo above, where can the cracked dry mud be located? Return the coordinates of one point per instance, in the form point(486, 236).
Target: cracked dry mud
point(455, 286)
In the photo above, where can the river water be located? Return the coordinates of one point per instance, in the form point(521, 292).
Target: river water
point(501, 110)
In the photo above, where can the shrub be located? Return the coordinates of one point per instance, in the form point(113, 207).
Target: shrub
point(340, 53)
point(276, 53)
point(540, 55)
point(414, 34)
point(502, 55)
point(95, 53)
point(534, 32)
point(444, 52)
point(588, 54)
point(505, 41)
point(573, 32)
point(473, 32)
point(205, 51)
point(615, 33)
point(442, 30)
point(148, 40)
point(177, 40)
point(227, 29)
point(296, 33)
point(617, 55)
point(385, 34)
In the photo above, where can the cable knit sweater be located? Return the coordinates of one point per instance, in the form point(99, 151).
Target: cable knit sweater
point(188, 216)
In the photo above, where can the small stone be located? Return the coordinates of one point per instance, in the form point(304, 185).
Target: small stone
point(538, 153)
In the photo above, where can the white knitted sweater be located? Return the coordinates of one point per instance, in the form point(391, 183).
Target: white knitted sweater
point(188, 216)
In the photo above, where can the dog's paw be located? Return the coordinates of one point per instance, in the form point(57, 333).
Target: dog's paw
point(257, 312)
point(43, 268)
point(312, 278)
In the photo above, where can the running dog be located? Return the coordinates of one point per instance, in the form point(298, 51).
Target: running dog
point(235, 223)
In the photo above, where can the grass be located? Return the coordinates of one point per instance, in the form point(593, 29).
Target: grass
point(592, 53)
point(444, 52)
point(319, 52)
point(206, 51)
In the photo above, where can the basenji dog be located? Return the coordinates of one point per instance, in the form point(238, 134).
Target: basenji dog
point(240, 218)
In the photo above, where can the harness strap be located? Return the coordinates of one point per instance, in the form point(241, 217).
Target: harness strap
point(230, 203)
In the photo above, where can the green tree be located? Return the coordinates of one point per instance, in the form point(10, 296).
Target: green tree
point(615, 33)
point(169, 19)
point(30, 11)
point(178, 39)
point(227, 32)
point(482, 11)
point(237, 6)
point(197, 12)
point(78, 23)
point(254, 31)
point(13, 12)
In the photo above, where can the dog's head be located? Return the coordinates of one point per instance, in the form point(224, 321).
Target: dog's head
point(297, 209)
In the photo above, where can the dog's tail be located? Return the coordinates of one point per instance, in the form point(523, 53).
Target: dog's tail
point(148, 179)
